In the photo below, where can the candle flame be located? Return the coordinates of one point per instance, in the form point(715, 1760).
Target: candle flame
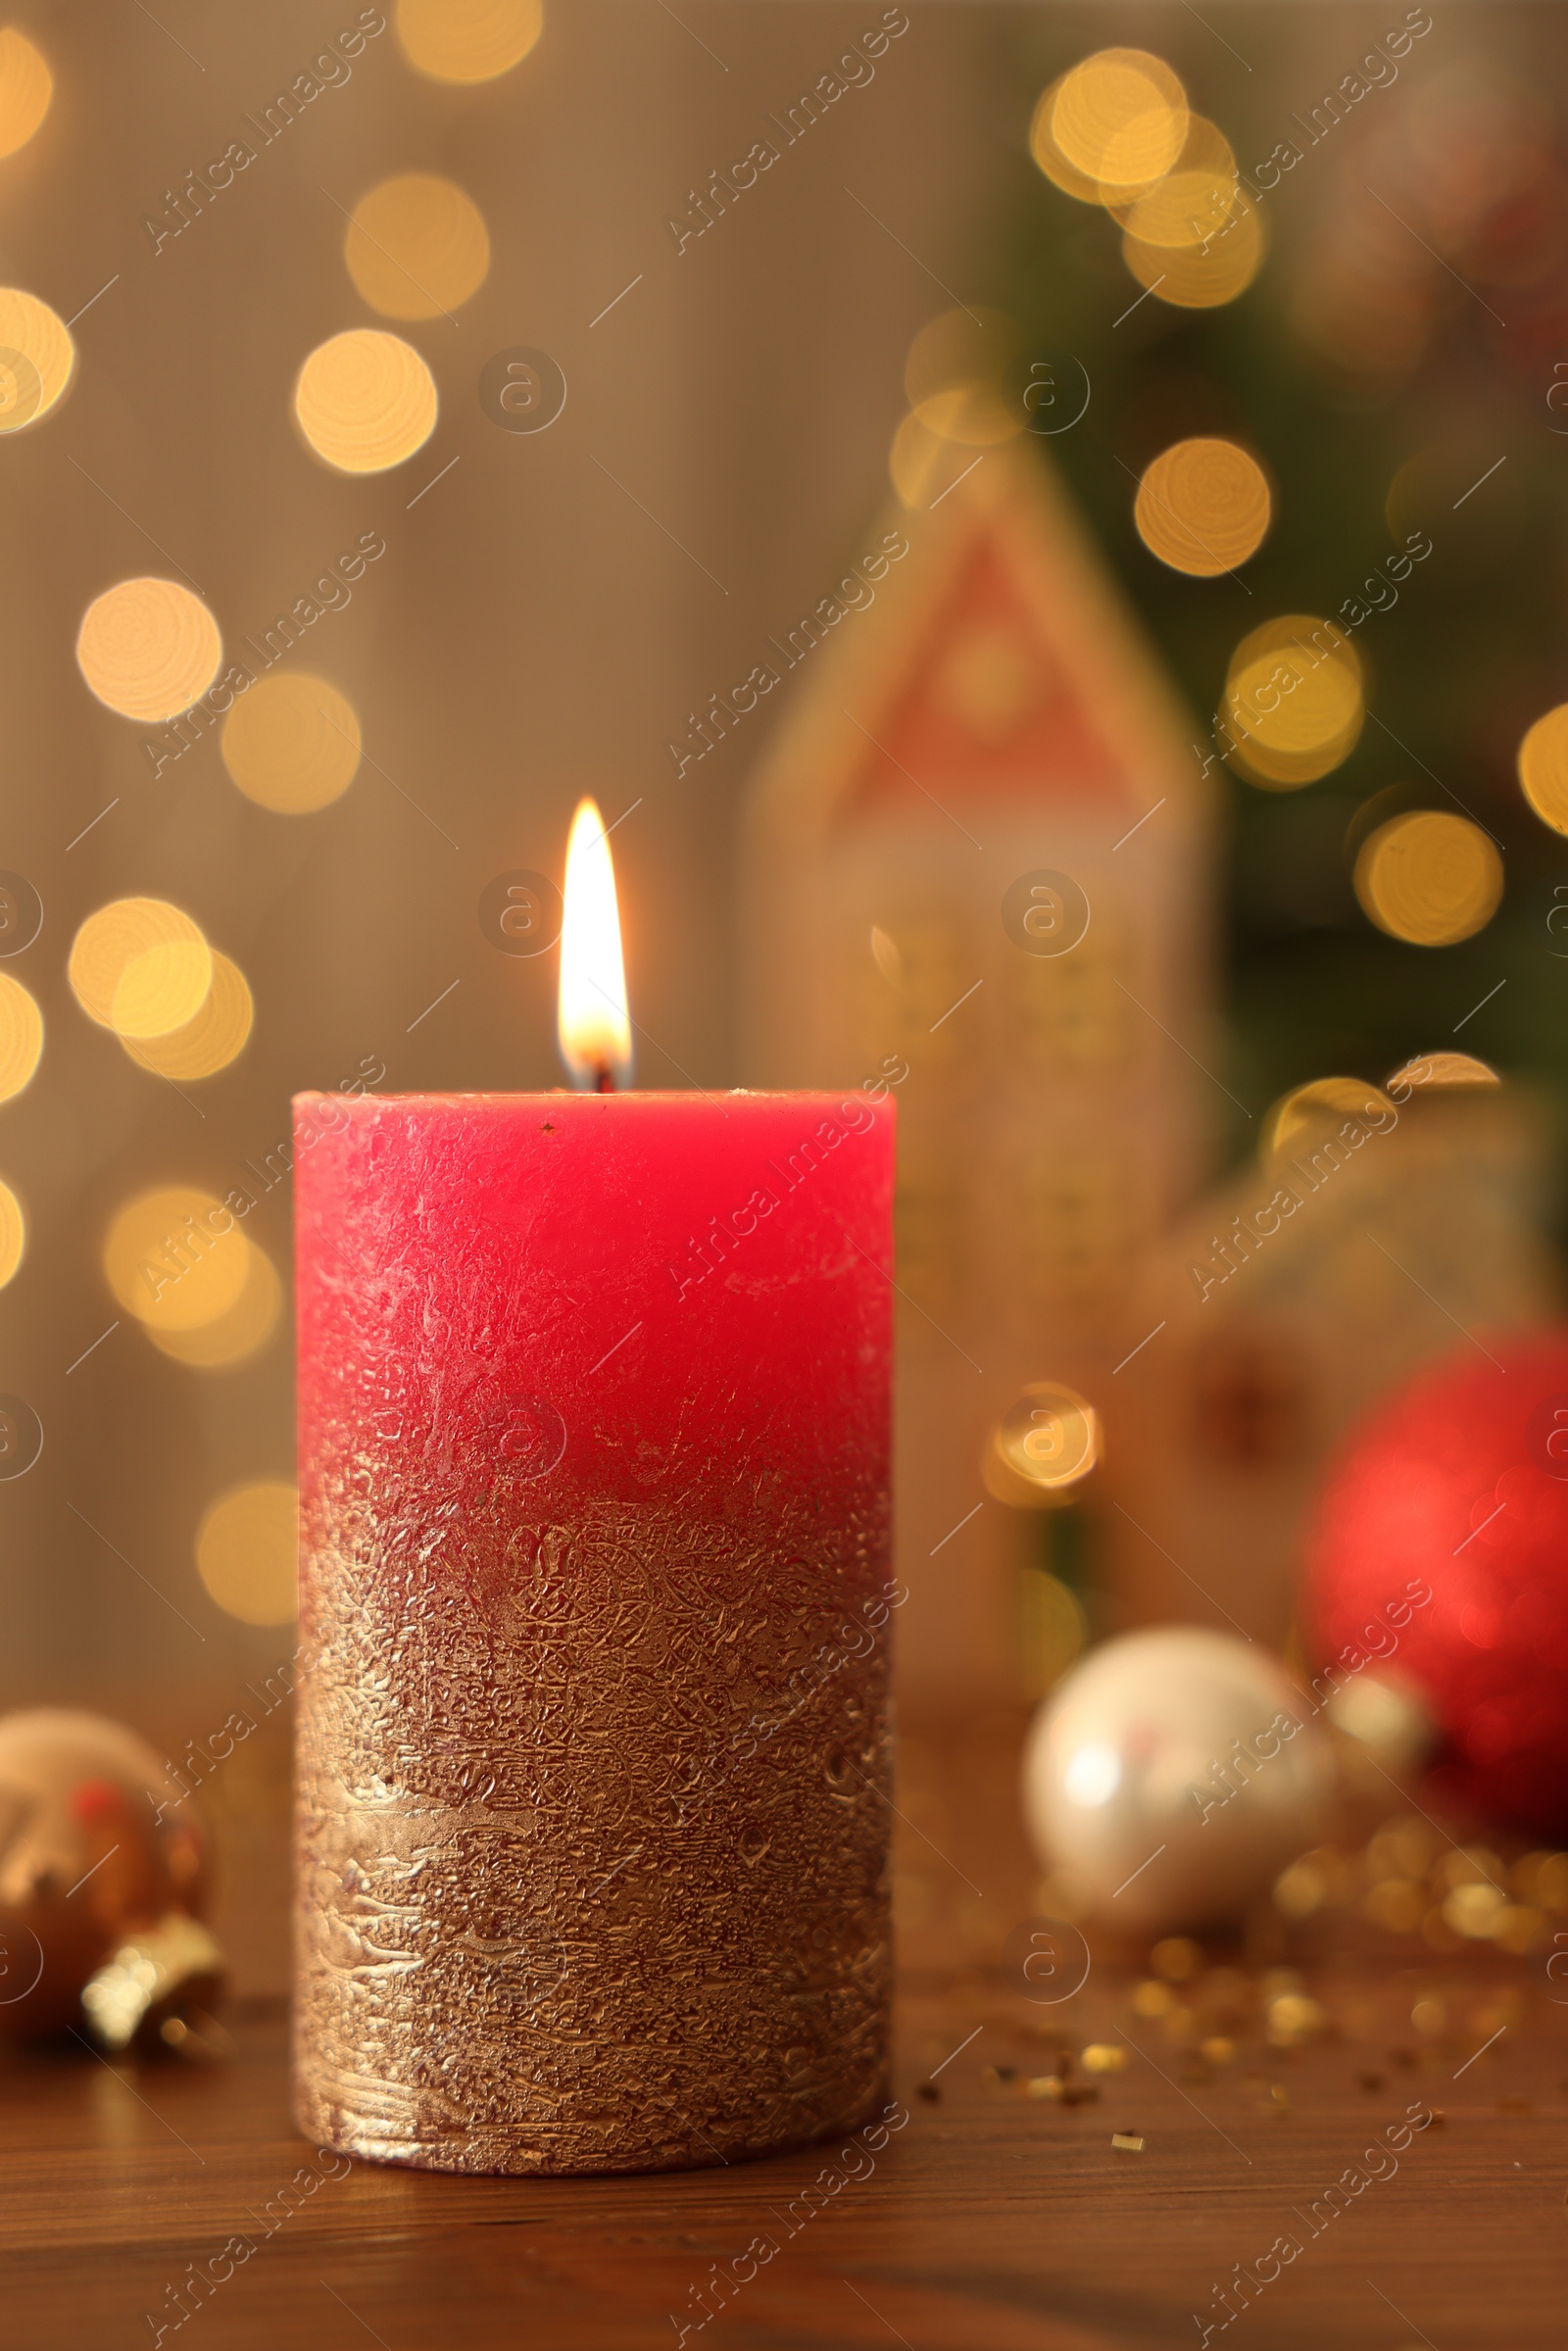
point(592, 1024)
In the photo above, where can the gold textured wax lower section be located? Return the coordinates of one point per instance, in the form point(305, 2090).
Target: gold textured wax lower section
point(592, 1829)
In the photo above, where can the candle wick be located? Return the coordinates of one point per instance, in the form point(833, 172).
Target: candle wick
point(603, 1080)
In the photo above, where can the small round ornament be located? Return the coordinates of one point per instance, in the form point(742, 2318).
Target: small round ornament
point(102, 1882)
point(1439, 1551)
point(1175, 1772)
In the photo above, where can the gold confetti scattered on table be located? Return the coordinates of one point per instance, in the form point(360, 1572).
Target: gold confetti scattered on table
point(1129, 2141)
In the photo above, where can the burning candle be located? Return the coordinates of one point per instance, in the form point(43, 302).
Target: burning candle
point(592, 1781)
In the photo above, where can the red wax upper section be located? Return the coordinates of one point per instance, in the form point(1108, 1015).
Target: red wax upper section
point(657, 1298)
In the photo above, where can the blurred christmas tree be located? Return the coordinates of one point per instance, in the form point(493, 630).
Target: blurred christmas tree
point(1357, 273)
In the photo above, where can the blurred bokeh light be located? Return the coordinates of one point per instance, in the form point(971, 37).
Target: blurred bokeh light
point(958, 378)
point(147, 649)
point(468, 41)
point(246, 1551)
point(365, 401)
point(1119, 121)
point(1543, 767)
point(292, 743)
point(20, 1037)
point(1322, 1103)
point(13, 1234)
point(1205, 275)
point(1193, 202)
point(417, 246)
point(211, 1038)
point(141, 968)
point(37, 359)
point(1429, 877)
point(237, 1333)
point(176, 1259)
point(27, 86)
point(1293, 701)
point(1438, 1072)
point(1202, 506)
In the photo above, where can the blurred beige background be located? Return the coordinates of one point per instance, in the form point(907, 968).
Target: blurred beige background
point(541, 622)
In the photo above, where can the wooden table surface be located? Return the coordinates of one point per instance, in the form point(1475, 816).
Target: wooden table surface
point(991, 2219)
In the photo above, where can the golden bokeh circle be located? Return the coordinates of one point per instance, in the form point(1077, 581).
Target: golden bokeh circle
point(215, 1036)
point(365, 400)
point(1323, 1102)
point(1192, 203)
point(1120, 118)
point(417, 246)
point(237, 1335)
point(140, 966)
point(13, 1234)
point(468, 41)
point(27, 86)
point(247, 1551)
point(38, 338)
point(1207, 274)
point(1429, 877)
point(1181, 213)
point(1439, 1072)
point(20, 1037)
point(162, 988)
point(147, 649)
point(1294, 701)
point(1043, 1445)
point(292, 743)
point(956, 377)
point(1202, 506)
point(1543, 767)
point(176, 1257)
point(1049, 156)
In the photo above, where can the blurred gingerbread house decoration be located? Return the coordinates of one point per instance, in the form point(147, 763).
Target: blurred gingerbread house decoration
point(979, 862)
point(981, 852)
point(1376, 1230)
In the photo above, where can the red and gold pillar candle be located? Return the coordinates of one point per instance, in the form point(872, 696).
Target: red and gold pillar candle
point(593, 1776)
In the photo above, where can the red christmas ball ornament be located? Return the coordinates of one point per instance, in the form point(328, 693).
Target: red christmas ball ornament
point(1439, 1551)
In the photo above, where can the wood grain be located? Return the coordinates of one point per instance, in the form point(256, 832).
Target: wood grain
point(988, 2222)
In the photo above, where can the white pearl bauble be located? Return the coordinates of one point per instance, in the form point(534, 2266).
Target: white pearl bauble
point(1176, 1773)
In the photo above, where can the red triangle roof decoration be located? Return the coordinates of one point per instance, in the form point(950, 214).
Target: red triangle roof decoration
point(986, 708)
point(998, 663)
